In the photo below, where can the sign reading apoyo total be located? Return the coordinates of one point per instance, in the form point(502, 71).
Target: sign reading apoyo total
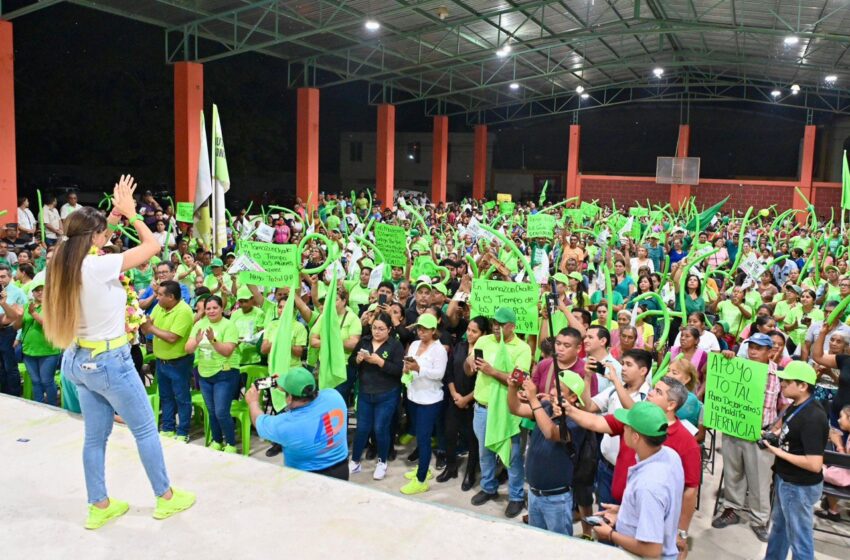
point(734, 396)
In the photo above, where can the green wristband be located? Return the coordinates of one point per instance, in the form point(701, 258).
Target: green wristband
point(135, 219)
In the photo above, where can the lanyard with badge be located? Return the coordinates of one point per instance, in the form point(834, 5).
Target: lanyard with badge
point(786, 421)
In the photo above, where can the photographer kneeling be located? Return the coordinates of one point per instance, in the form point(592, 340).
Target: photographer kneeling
point(798, 441)
point(312, 429)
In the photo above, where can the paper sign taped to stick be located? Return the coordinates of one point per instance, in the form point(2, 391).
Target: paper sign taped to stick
point(392, 241)
point(277, 261)
point(264, 232)
point(489, 295)
point(753, 267)
point(185, 212)
point(541, 225)
point(734, 396)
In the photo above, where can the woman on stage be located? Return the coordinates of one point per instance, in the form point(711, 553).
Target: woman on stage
point(88, 312)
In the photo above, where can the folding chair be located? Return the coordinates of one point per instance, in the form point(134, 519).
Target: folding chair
point(833, 459)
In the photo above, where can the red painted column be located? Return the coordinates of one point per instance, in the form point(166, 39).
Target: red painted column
point(385, 154)
point(479, 167)
point(806, 173)
point(8, 158)
point(440, 165)
point(679, 194)
point(188, 104)
point(307, 166)
point(573, 182)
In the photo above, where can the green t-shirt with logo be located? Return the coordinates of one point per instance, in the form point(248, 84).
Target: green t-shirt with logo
point(211, 362)
point(247, 325)
point(178, 320)
point(299, 338)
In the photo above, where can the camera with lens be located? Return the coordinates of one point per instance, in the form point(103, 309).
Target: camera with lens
point(768, 437)
point(265, 383)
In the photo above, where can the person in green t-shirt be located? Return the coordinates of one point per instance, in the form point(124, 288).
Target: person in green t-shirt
point(141, 276)
point(248, 320)
point(350, 330)
point(215, 338)
point(734, 312)
point(299, 338)
point(358, 290)
point(40, 357)
point(220, 283)
point(789, 311)
point(188, 271)
point(170, 323)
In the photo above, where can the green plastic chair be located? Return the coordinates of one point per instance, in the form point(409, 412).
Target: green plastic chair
point(26, 380)
point(199, 408)
point(239, 410)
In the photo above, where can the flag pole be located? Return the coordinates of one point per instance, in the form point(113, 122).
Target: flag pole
point(214, 240)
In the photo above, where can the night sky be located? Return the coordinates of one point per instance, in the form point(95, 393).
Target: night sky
point(93, 91)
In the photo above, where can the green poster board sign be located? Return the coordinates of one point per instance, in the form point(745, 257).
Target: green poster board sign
point(392, 241)
point(638, 212)
point(489, 295)
point(185, 211)
point(541, 225)
point(734, 396)
point(278, 261)
point(507, 207)
point(589, 210)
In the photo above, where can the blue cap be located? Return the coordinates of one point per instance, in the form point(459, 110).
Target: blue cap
point(760, 339)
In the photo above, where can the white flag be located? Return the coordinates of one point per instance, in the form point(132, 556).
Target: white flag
point(203, 191)
point(221, 184)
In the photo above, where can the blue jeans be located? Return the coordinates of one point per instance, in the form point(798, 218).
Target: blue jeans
point(425, 418)
point(552, 513)
point(792, 524)
point(10, 377)
point(375, 414)
point(604, 480)
point(218, 391)
point(346, 387)
point(108, 384)
point(516, 470)
point(42, 370)
point(174, 377)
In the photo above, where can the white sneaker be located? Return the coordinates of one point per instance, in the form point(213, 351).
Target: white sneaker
point(380, 471)
point(353, 467)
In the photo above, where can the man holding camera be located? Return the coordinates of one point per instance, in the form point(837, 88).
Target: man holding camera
point(312, 429)
point(798, 443)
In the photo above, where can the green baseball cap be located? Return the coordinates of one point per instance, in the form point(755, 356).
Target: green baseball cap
point(505, 315)
point(36, 284)
point(575, 276)
point(367, 263)
point(244, 293)
point(645, 418)
point(441, 288)
point(426, 321)
point(574, 383)
point(798, 371)
point(216, 262)
point(424, 285)
point(296, 381)
point(561, 277)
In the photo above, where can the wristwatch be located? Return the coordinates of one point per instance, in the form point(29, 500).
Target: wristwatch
point(683, 534)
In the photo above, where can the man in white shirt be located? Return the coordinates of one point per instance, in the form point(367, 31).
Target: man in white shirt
point(596, 344)
point(52, 221)
point(631, 384)
point(27, 225)
point(69, 207)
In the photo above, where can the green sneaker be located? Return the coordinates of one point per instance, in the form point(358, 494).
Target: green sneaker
point(215, 446)
point(411, 475)
point(404, 439)
point(230, 449)
point(167, 434)
point(180, 500)
point(182, 439)
point(98, 517)
point(415, 487)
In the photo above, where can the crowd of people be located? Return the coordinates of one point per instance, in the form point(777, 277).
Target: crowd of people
point(593, 417)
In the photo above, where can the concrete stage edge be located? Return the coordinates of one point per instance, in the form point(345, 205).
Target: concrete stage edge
point(245, 507)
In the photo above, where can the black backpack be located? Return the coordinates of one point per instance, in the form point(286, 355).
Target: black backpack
point(585, 460)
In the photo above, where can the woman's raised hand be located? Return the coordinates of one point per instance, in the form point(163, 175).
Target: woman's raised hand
point(122, 196)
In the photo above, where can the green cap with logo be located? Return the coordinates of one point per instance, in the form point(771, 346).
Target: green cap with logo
point(296, 381)
point(798, 371)
point(427, 321)
point(645, 418)
point(574, 383)
point(505, 315)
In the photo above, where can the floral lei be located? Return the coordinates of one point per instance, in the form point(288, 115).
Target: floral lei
point(134, 315)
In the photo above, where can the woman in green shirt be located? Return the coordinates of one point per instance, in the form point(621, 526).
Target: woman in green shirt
point(188, 271)
point(215, 338)
point(40, 357)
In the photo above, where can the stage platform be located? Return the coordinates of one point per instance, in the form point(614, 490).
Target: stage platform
point(245, 508)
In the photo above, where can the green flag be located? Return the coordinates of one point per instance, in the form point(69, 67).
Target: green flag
point(845, 183)
point(703, 219)
point(543, 193)
point(281, 354)
point(501, 424)
point(332, 367)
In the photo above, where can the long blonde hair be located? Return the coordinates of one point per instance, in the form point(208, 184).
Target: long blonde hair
point(64, 276)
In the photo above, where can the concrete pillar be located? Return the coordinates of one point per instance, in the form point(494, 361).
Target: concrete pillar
point(385, 155)
point(479, 168)
point(440, 164)
point(806, 173)
point(188, 105)
point(573, 182)
point(307, 166)
point(8, 158)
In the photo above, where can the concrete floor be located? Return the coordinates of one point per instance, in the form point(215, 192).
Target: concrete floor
point(255, 506)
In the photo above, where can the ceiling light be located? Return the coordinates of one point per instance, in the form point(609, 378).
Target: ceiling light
point(514, 85)
point(585, 95)
point(580, 89)
point(409, 156)
point(831, 79)
point(504, 51)
point(658, 72)
point(775, 93)
point(795, 89)
point(791, 40)
point(372, 25)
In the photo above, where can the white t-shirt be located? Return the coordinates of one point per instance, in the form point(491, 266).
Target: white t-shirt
point(67, 210)
point(707, 341)
point(427, 384)
point(51, 218)
point(102, 298)
point(26, 219)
